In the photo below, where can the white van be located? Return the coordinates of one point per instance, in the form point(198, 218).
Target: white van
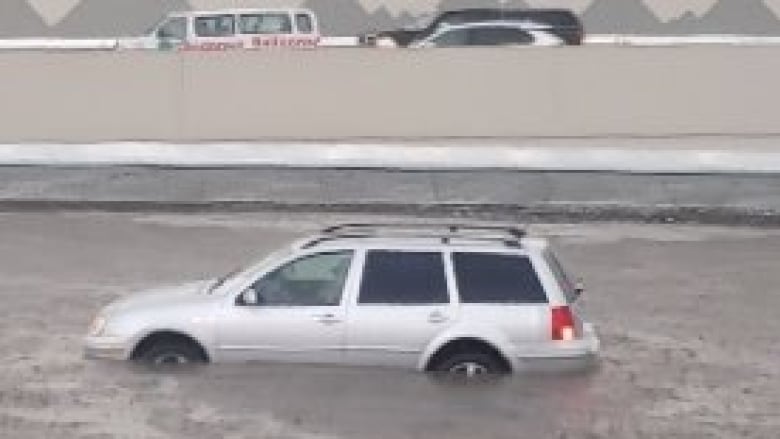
point(231, 29)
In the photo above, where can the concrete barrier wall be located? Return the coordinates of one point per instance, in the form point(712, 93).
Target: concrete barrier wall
point(348, 93)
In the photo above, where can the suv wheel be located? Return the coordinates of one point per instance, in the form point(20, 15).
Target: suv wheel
point(471, 365)
point(171, 353)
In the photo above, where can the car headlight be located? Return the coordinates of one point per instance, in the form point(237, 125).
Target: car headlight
point(97, 326)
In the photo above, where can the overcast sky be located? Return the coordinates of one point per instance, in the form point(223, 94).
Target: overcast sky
point(53, 10)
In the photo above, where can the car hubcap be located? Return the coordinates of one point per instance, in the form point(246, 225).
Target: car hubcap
point(469, 369)
point(171, 358)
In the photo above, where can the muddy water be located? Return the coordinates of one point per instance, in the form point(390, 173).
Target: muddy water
point(687, 317)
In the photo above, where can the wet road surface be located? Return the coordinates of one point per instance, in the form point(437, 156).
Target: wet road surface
point(687, 317)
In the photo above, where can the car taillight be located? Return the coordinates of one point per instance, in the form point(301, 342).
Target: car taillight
point(562, 323)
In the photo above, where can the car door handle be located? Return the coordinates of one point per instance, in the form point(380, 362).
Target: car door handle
point(437, 317)
point(327, 319)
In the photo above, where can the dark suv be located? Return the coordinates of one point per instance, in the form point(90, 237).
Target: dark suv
point(562, 23)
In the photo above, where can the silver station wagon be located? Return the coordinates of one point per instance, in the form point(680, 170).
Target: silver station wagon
point(462, 299)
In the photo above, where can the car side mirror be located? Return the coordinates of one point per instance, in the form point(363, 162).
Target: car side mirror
point(249, 297)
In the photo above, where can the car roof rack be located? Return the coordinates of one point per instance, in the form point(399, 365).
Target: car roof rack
point(506, 235)
point(445, 239)
point(450, 230)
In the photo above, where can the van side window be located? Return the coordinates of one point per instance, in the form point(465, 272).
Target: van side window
point(497, 278)
point(303, 23)
point(266, 24)
point(403, 278)
point(215, 25)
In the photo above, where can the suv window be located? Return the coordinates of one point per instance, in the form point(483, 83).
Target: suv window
point(316, 280)
point(403, 278)
point(266, 24)
point(215, 25)
point(496, 278)
point(451, 38)
point(497, 36)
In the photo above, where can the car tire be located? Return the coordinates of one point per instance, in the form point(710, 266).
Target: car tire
point(172, 353)
point(471, 365)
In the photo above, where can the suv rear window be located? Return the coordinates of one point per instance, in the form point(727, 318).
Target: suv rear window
point(497, 278)
point(403, 278)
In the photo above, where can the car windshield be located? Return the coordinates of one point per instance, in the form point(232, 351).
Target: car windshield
point(222, 279)
point(152, 30)
point(275, 256)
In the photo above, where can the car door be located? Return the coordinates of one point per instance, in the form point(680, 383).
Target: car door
point(298, 315)
point(401, 304)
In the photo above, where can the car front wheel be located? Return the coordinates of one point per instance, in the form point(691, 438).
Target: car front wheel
point(172, 354)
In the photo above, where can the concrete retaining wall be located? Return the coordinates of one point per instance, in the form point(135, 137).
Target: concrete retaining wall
point(349, 93)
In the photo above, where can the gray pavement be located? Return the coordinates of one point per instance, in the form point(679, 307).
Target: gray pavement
point(720, 198)
point(687, 317)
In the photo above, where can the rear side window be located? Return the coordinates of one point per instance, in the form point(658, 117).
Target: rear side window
point(497, 278)
point(266, 24)
point(403, 278)
point(303, 23)
point(215, 26)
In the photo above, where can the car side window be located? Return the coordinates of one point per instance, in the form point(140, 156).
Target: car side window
point(315, 280)
point(266, 24)
point(403, 278)
point(451, 38)
point(498, 36)
point(215, 25)
point(497, 278)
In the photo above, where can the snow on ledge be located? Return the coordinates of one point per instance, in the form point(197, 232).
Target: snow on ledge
point(406, 155)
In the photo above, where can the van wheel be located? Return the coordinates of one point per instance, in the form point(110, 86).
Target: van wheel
point(471, 365)
point(171, 353)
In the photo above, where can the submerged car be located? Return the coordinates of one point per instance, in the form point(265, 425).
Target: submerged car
point(462, 299)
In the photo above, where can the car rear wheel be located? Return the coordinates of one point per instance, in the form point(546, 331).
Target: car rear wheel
point(471, 365)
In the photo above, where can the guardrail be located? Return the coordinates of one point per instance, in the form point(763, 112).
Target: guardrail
point(677, 40)
point(65, 44)
point(669, 156)
point(58, 44)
